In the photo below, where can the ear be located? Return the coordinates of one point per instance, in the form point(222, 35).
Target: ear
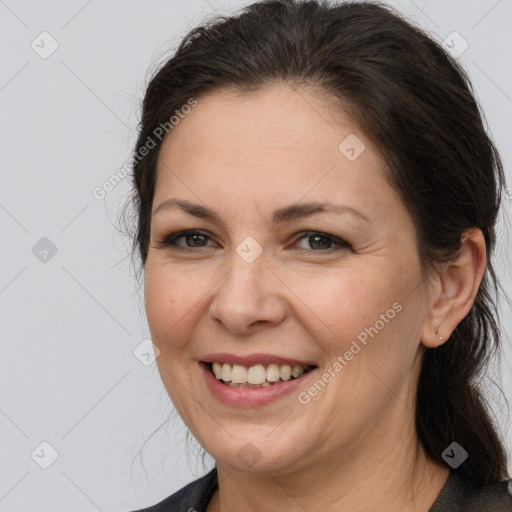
point(455, 290)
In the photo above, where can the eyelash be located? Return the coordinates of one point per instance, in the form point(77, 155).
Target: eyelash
point(169, 241)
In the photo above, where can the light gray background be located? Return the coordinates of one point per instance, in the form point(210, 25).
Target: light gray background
point(70, 325)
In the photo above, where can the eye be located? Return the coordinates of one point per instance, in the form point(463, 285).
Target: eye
point(322, 241)
point(195, 238)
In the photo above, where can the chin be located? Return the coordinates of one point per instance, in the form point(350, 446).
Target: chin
point(257, 454)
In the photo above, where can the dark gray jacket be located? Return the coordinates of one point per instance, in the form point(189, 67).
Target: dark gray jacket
point(457, 495)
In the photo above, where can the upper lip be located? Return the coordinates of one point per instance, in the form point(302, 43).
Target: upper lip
point(254, 359)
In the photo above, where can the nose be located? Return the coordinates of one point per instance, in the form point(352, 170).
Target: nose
point(248, 297)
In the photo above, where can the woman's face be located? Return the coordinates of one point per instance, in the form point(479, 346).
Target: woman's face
point(339, 289)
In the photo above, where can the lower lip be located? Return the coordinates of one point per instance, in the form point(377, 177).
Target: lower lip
point(251, 397)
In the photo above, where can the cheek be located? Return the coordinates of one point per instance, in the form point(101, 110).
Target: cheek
point(167, 301)
point(342, 302)
point(366, 313)
point(168, 297)
point(160, 305)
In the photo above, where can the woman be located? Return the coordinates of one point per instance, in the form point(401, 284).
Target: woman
point(315, 228)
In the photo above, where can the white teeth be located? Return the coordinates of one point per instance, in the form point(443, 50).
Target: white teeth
point(297, 371)
point(286, 372)
point(239, 374)
point(273, 373)
point(257, 375)
point(226, 372)
point(217, 370)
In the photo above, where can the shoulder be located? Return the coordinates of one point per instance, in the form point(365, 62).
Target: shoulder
point(194, 497)
point(459, 494)
point(492, 498)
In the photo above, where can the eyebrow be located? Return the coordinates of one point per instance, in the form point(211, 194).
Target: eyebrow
point(285, 214)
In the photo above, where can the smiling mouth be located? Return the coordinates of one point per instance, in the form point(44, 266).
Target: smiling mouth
point(256, 376)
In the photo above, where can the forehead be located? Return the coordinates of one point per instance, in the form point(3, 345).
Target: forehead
point(275, 141)
point(276, 115)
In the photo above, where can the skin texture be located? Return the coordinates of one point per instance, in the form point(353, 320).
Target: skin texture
point(354, 445)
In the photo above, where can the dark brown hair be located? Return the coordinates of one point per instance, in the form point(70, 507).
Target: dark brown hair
point(416, 104)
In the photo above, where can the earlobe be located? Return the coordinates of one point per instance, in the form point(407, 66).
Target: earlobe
point(456, 290)
point(433, 339)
